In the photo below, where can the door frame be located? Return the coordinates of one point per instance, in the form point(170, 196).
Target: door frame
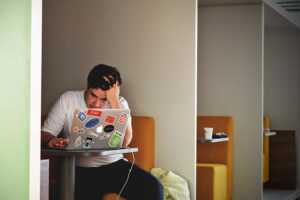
point(35, 99)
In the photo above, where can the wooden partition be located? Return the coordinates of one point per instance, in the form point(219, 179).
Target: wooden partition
point(283, 162)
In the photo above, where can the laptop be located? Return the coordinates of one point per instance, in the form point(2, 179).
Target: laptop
point(98, 129)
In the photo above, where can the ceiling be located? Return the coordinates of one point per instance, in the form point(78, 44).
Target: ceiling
point(273, 20)
point(289, 9)
point(278, 13)
point(226, 2)
point(292, 7)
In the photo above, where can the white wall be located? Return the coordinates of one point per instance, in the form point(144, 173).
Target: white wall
point(282, 80)
point(153, 45)
point(230, 83)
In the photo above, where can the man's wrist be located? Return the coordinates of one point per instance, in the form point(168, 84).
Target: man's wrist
point(115, 104)
point(50, 138)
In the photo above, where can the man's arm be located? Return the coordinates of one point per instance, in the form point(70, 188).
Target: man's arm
point(54, 123)
point(112, 96)
point(128, 136)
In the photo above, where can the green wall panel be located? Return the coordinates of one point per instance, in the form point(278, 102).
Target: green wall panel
point(14, 98)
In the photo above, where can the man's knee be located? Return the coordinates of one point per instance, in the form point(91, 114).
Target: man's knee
point(156, 188)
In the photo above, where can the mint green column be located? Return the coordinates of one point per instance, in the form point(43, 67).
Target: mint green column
point(14, 98)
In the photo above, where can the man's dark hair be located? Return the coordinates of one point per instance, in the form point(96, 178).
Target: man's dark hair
point(104, 77)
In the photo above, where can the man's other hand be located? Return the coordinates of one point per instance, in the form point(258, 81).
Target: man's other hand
point(112, 96)
point(58, 142)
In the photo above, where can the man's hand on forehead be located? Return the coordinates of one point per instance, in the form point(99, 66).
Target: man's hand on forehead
point(112, 95)
point(110, 80)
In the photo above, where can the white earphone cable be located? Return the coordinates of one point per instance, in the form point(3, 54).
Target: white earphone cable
point(133, 159)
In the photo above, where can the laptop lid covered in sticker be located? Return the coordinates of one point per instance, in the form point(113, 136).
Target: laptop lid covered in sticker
point(98, 128)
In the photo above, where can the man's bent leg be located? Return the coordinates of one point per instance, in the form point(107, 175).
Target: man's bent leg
point(86, 185)
point(93, 183)
point(141, 184)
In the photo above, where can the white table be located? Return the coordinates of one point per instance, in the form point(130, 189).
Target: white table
point(67, 165)
point(214, 140)
point(269, 133)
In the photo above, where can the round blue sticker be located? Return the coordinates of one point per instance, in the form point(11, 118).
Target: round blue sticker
point(92, 122)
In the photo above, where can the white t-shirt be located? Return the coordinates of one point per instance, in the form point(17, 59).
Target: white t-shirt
point(60, 118)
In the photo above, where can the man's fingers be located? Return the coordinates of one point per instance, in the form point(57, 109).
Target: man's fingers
point(58, 142)
point(62, 142)
point(106, 79)
point(109, 79)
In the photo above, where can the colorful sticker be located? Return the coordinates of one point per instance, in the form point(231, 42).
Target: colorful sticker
point(80, 131)
point(115, 139)
point(78, 141)
point(92, 122)
point(110, 119)
point(93, 134)
point(94, 112)
point(99, 129)
point(88, 142)
point(106, 135)
point(123, 117)
point(81, 116)
point(75, 129)
point(109, 128)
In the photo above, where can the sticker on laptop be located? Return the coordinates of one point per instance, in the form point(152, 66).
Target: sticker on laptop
point(94, 112)
point(75, 129)
point(105, 135)
point(93, 134)
point(99, 129)
point(123, 118)
point(78, 141)
point(88, 141)
point(91, 123)
point(109, 128)
point(80, 131)
point(81, 116)
point(110, 119)
point(115, 139)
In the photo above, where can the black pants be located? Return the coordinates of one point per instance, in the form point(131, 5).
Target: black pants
point(91, 183)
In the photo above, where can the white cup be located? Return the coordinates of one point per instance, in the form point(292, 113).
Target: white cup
point(208, 133)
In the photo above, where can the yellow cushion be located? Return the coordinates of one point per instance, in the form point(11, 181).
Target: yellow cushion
point(143, 138)
point(111, 196)
point(211, 181)
point(220, 152)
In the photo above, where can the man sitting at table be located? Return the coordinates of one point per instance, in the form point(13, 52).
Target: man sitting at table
point(97, 175)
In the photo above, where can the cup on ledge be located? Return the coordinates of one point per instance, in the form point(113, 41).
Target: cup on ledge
point(208, 133)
